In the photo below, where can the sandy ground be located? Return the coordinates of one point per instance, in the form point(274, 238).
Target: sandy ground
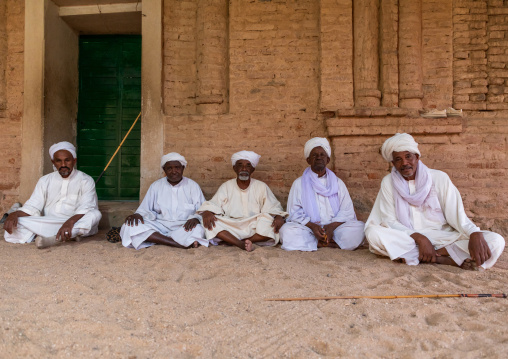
point(97, 299)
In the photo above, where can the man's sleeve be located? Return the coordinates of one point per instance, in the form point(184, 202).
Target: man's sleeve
point(35, 205)
point(88, 200)
point(198, 199)
point(272, 205)
point(146, 208)
point(215, 204)
point(294, 207)
point(347, 209)
point(453, 207)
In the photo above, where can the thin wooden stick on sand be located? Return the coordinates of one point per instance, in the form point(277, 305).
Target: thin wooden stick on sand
point(501, 295)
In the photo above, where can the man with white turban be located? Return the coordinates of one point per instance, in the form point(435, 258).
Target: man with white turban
point(167, 214)
point(319, 206)
point(63, 205)
point(244, 210)
point(419, 217)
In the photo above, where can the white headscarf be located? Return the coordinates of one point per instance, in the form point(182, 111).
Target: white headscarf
point(64, 145)
point(173, 156)
point(250, 156)
point(317, 142)
point(400, 142)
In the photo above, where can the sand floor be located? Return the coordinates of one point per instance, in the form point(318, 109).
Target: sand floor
point(97, 299)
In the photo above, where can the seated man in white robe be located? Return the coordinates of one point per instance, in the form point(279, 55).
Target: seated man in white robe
point(419, 217)
point(244, 210)
point(63, 205)
point(320, 209)
point(167, 214)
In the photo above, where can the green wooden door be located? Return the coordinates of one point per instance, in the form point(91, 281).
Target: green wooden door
point(109, 102)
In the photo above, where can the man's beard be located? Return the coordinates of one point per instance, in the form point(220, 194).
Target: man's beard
point(64, 170)
point(243, 176)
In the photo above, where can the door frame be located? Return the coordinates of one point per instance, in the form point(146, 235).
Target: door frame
point(33, 126)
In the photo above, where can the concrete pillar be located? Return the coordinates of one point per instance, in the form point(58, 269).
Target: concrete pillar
point(33, 99)
point(152, 126)
point(366, 53)
point(389, 62)
point(410, 54)
point(212, 62)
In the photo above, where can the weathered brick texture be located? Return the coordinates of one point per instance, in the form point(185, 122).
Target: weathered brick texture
point(273, 102)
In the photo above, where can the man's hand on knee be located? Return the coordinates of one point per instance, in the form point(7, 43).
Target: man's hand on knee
point(425, 248)
point(330, 228)
point(278, 222)
point(11, 223)
point(191, 224)
point(133, 219)
point(478, 248)
point(208, 219)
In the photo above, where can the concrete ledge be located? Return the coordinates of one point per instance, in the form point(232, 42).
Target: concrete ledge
point(114, 212)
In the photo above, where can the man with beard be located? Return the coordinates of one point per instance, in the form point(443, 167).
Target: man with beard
point(244, 210)
point(167, 214)
point(63, 205)
point(320, 209)
point(419, 217)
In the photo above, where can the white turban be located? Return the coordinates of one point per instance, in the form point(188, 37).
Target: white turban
point(250, 156)
point(317, 142)
point(399, 143)
point(173, 156)
point(64, 145)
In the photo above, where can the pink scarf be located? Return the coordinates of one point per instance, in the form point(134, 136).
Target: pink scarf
point(425, 196)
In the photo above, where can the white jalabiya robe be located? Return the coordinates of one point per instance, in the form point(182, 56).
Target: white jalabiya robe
point(387, 236)
point(243, 212)
point(54, 201)
point(165, 209)
point(296, 236)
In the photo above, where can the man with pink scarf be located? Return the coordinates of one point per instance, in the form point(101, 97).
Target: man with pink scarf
point(320, 209)
point(419, 217)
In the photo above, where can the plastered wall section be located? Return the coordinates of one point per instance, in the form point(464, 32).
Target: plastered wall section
point(61, 82)
point(11, 61)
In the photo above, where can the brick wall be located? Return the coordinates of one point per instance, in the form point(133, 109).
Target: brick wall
point(10, 123)
point(273, 93)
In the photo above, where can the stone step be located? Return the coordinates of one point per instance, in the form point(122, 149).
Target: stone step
point(114, 212)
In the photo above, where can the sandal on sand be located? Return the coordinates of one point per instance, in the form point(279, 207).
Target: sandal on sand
point(113, 235)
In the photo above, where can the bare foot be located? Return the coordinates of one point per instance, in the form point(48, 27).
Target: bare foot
point(400, 260)
point(195, 244)
point(248, 245)
point(45, 242)
point(469, 264)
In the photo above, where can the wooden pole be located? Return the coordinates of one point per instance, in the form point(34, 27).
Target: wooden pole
point(501, 295)
point(114, 154)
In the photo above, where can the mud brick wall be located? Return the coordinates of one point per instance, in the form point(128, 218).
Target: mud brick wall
point(273, 90)
point(11, 99)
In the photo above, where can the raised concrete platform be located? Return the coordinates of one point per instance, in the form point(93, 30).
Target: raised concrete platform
point(114, 212)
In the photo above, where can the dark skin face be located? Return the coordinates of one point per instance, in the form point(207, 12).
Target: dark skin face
point(243, 168)
point(173, 171)
point(318, 160)
point(64, 162)
point(406, 163)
